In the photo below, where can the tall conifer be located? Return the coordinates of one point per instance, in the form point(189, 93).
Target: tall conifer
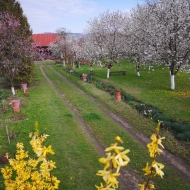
point(14, 8)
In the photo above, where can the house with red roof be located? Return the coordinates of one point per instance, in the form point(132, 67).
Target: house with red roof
point(42, 42)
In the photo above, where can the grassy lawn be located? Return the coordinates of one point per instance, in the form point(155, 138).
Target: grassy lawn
point(151, 87)
point(125, 110)
point(102, 129)
point(75, 155)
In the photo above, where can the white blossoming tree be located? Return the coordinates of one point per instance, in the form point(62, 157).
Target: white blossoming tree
point(163, 29)
point(65, 46)
point(106, 34)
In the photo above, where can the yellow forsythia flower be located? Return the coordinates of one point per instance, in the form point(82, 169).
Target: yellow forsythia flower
point(109, 177)
point(147, 169)
point(142, 186)
point(7, 172)
point(114, 147)
point(113, 162)
point(155, 168)
point(118, 139)
point(25, 172)
point(158, 167)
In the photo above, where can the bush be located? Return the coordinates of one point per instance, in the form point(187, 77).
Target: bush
point(162, 117)
point(25, 73)
point(140, 107)
point(178, 127)
point(4, 94)
point(145, 109)
point(185, 136)
point(128, 97)
point(166, 125)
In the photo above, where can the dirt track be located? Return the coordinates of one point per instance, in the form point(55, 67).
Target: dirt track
point(128, 177)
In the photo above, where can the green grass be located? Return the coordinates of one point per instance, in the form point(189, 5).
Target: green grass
point(151, 87)
point(102, 128)
point(75, 156)
point(125, 110)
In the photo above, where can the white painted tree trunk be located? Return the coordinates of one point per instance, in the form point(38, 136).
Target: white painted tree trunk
point(79, 64)
point(108, 73)
point(63, 63)
point(90, 68)
point(13, 90)
point(172, 78)
point(149, 67)
point(138, 74)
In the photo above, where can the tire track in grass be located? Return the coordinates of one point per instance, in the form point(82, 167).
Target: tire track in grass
point(74, 112)
point(127, 179)
point(175, 162)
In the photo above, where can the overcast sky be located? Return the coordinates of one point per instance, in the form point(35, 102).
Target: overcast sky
point(50, 15)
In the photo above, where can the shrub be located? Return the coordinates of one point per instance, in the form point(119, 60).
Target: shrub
point(28, 173)
point(185, 136)
point(147, 110)
point(117, 158)
point(25, 74)
point(127, 97)
point(140, 107)
point(4, 94)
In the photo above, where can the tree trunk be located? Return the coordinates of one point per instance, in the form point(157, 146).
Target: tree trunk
point(13, 90)
point(138, 69)
point(172, 75)
point(172, 79)
point(63, 63)
point(108, 73)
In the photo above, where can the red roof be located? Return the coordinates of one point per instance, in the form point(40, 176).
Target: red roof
point(44, 39)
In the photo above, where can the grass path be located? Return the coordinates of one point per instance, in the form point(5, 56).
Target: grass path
point(61, 85)
point(129, 182)
point(169, 158)
point(76, 156)
point(140, 123)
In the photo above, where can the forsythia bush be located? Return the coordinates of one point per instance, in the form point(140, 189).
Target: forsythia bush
point(155, 168)
point(116, 158)
point(30, 174)
point(113, 162)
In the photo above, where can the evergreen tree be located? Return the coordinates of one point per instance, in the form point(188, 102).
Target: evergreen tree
point(13, 7)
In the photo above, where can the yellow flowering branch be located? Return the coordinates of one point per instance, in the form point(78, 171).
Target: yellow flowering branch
point(155, 168)
point(113, 162)
point(24, 170)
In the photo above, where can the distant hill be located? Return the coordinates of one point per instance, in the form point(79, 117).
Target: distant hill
point(78, 35)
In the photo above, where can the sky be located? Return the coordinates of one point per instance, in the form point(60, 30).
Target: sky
point(47, 16)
